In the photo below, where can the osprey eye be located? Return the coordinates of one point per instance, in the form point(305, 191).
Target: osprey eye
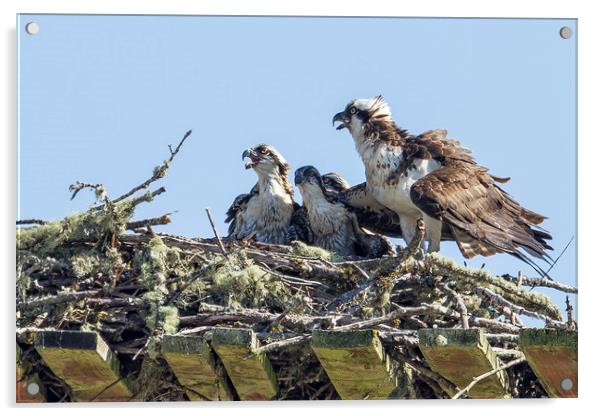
point(263, 151)
point(353, 110)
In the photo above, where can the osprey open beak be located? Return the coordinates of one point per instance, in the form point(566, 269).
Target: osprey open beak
point(342, 118)
point(250, 153)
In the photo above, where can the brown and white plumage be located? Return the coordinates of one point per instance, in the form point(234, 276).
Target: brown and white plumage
point(333, 225)
point(432, 176)
point(265, 213)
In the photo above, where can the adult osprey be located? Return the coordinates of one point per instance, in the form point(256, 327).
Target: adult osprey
point(333, 225)
point(265, 213)
point(434, 177)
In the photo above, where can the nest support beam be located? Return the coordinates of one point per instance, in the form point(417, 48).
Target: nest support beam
point(29, 388)
point(552, 355)
point(251, 374)
point(85, 363)
point(197, 367)
point(460, 355)
point(356, 364)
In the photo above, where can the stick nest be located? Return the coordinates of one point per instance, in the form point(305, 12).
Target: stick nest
point(99, 270)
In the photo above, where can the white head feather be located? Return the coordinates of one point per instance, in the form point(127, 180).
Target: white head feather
point(376, 106)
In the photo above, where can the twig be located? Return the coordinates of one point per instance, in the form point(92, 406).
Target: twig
point(175, 152)
point(292, 279)
point(459, 303)
point(193, 278)
point(560, 255)
point(202, 396)
point(488, 374)
point(540, 282)
point(445, 385)
point(162, 220)
point(301, 339)
point(60, 298)
point(492, 324)
point(507, 353)
point(521, 278)
point(353, 293)
point(219, 240)
point(519, 310)
point(99, 190)
point(350, 295)
point(424, 309)
point(439, 265)
point(147, 197)
point(410, 250)
point(570, 320)
point(158, 172)
point(414, 245)
point(106, 388)
point(141, 349)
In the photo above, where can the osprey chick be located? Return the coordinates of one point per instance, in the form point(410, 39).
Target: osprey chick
point(332, 224)
point(265, 212)
point(434, 177)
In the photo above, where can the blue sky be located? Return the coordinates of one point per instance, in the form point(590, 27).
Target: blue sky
point(101, 97)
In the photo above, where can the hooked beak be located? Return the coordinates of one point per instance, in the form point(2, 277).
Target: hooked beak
point(250, 153)
point(342, 118)
point(304, 175)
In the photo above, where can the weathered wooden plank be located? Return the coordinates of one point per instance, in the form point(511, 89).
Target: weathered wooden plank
point(252, 376)
point(197, 367)
point(29, 388)
point(356, 364)
point(552, 355)
point(459, 355)
point(84, 361)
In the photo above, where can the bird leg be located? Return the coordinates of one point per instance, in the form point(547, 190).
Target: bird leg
point(432, 233)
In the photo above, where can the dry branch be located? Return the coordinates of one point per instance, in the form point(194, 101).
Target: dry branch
point(460, 304)
point(540, 282)
point(158, 173)
point(500, 301)
point(162, 220)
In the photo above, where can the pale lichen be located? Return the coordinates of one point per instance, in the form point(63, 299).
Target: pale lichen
point(239, 282)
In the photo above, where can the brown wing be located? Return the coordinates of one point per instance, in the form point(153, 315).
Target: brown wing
point(370, 245)
point(239, 205)
point(300, 229)
point(375, 217)
point(370, 214)
point(483, 218)
point(432, 144)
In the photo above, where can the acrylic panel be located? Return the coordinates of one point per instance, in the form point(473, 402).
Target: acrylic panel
point(402, 224)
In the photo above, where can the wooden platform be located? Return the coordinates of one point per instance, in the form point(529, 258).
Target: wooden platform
point(356, 364)
point(29, 388)
point(197, 367)
point(459, 355)
point(552, 355)
point(83, 360)
point(230, 367)
point(251, 374)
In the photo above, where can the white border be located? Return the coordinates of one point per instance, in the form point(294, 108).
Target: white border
point(590, 68)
